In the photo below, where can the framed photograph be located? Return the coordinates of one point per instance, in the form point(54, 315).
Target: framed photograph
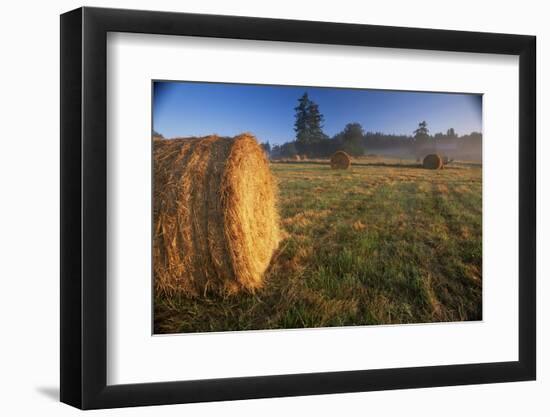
point(256, 208)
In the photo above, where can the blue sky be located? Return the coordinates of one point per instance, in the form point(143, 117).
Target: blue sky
point(198, 109)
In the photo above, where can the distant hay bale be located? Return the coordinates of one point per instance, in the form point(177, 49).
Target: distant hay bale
point(432, 161)
point(303, 157)
point(295, 158)
point(340, 160)
point(215, 219)
point(446, 160)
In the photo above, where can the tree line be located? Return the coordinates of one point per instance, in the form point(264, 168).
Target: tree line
point(310, 140)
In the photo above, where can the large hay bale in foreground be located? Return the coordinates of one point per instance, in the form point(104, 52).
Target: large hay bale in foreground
point(215, 220)
point(340, 160)
point(432, 161)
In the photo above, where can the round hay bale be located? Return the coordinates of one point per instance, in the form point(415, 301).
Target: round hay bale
point(432, 161)
point(340, 160)
point(303, 157)
point(295, 158)
point(215, 219)
point(446, 160)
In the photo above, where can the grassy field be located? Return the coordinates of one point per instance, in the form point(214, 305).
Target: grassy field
point(380, 243)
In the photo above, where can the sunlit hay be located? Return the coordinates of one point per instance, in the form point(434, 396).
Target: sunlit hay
point(340, 160)
point(303, 157)
point(432, 161)
point(295, 158)
point(465, 232)
point(423, 187)
point(358, 226)
point(305, 218)
point(462, 189)
point(215, 218)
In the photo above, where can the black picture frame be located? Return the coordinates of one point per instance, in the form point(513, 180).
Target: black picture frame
point(84, 207)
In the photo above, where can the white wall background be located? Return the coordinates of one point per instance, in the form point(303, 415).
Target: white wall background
point(29, 209)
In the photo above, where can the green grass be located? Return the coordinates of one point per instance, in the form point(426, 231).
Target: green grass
point(375, 244)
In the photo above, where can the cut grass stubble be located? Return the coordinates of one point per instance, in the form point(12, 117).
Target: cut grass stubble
point(369, 245)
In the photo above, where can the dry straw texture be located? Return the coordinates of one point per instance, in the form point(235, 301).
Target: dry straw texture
point(432, 161)
point(215, 219)
point(340, 160)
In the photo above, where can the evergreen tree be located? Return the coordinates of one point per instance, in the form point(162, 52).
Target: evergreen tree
point(315, 123)
point(308, 123)
point(451, 134)
point(422, 132)
point(421, 136)
point(301, 116)
point(288, 149)
point(266, 147)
